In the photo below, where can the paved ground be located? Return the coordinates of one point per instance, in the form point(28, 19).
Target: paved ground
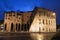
point(26, 36)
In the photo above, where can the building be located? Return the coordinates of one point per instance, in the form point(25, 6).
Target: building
point(16, 21)
point(38, 20)
point(44, 21)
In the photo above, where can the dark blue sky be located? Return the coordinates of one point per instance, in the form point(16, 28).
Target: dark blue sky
point(28, 5)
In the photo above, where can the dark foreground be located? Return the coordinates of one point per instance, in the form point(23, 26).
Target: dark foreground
point(29, 36)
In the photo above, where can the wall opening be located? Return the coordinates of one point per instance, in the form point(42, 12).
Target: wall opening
point(5, 27)
point(22, 27)
point(18, 27)
point(12, 26)
point(28, 27)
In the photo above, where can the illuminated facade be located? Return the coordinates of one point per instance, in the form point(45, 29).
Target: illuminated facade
point(44, 21)
point(16, 22)
point(38, 20)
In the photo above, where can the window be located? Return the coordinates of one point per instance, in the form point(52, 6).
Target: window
point(8, 18)
point(40, 13)
point(49, 22)
point(19, 17)
point(19, 14)
point(46, 22)
point(10, 15)
point(43, 21)
point(39, 21)
point(14, 15)
point(43, 29)
point(17, 20)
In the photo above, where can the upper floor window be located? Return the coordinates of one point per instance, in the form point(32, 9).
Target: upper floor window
point(10, 15)
point(43, 21)
point(14, 15)
point(46, 22)
point(39, 21)
point(19, 17)
point(8, 18)
point(40, 13)
point(43, 29)
point(49, 22)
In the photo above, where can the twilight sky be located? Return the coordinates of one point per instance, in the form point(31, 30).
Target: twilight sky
point(28, 5)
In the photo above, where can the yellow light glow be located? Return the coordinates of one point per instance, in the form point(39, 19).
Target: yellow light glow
point(53, 14)
point(37, 36)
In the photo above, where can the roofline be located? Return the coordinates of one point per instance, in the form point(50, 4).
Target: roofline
point(35, 8)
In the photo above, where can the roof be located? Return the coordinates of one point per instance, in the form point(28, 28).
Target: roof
point(43, 9)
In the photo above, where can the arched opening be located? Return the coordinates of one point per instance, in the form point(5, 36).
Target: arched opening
point(5, 27)
point(43, 21)
point(12, 26)
point(28, 27)
point(18, 27)
point(25, 27)
point(22, 27)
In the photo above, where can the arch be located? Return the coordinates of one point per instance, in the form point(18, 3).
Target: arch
point(43, 21)
point(16, 26)
point(25, 27)
point(22, 27)
point(28, 27)
point(12, 26)
point(5, 27)
point(19, 27)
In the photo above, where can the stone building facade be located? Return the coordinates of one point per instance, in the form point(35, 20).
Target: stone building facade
point(38, 20)
point(44, 21)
